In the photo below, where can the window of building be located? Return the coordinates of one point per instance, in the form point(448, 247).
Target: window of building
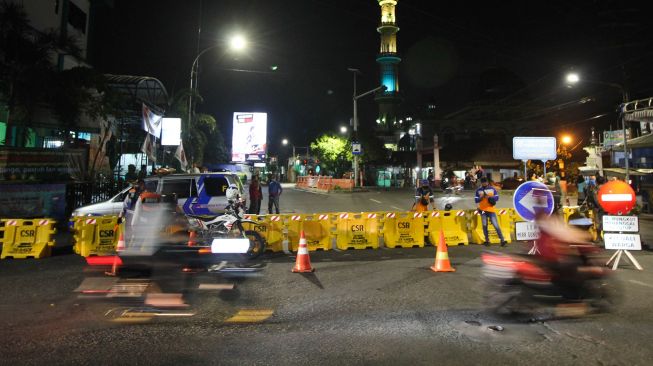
point(77, 18)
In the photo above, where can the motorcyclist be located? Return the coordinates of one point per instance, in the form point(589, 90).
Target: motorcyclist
point(423, 196)
point(234, 198)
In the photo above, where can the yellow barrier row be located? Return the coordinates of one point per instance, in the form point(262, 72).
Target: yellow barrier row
point(344, 231)
point(26, 238)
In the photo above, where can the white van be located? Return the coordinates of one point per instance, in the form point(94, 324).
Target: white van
point(197, 194)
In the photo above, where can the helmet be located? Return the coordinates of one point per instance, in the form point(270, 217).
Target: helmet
point(448, 207)
point(425, 182)
point(232, 192)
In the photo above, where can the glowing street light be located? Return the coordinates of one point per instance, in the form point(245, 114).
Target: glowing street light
point(238, 42)
point(572, 78)
point(284, 142)
point(343, 129)
point(566, 139)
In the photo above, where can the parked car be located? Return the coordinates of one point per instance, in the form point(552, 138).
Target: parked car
point(197, 194)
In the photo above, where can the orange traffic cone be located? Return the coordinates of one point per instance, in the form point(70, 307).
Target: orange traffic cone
point(303, 262)
point(191, 238)
point(121, 241)
point(442, 263)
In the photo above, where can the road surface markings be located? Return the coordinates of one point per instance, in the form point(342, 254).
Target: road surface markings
point(640, 283)
point(250, 316)
point(396, 208)
point(373, 200)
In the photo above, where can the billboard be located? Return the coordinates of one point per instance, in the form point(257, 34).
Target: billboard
point(249, 141)
point(171, 132)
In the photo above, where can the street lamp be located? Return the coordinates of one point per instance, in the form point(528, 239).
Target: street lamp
point(574, 78)
point(236, 43)
point(566, 139)
point(343, 129)
point(285, 142)
point(355, 119)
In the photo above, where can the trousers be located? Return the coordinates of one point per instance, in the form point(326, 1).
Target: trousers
point(493, 219)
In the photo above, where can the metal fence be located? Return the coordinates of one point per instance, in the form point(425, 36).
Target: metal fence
point(84, 193)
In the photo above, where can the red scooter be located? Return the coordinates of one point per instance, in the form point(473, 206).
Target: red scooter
point(565, 277)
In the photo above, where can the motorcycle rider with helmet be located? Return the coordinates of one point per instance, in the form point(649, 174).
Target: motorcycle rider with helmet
point(423, 196)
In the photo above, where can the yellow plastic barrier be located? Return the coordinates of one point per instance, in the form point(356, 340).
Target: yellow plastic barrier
point(318, 230)
point(403, 229)
point(515, 218)
point(568, 211)
point(454, 224)
point(27, 238)
point(505, 222)
point(99, 236)
point(271, 229)
point(357, 230)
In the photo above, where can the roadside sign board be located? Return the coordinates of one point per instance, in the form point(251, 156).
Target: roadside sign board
point(534, 148)
point(526, 230)
point(622, 241)
point(531, 197)
point(628, 224)
point(356, 148)
point(616, 197)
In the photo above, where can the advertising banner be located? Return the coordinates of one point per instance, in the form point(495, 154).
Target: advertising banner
point(534, 148)
point(611, 138)
point(33, 200)
point(249, 142)
point(171, 132)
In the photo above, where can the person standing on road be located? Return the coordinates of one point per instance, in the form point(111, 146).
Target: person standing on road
point(274, 191)
point(486, 197)
point(255, 197)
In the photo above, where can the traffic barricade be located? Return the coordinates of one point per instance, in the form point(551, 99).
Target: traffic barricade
point(568, 211)
point(270, 227)
point(403, 229)
point(27, 238)
point(504, 220)
point(515, 218)
point(357, 230)
point(318, 231)
point(453, 223)
point(100, 236)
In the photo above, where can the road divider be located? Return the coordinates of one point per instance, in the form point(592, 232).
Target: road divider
point(404, 230)
point(97, 235)
point(27, 238)
point(358, 230)
point(452, 223)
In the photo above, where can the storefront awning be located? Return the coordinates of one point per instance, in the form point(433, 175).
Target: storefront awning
point(639, 142)
point(621, 172)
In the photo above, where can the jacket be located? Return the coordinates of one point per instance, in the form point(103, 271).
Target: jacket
point(483, 202)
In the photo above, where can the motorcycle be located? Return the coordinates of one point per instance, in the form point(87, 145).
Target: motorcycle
point(228, 225)
point(530, 284)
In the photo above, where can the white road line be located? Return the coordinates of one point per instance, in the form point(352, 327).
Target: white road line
point(396, 208)
point(640, 283)
point(373, 200)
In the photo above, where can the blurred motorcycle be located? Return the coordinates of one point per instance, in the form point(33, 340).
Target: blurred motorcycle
point(565, 277)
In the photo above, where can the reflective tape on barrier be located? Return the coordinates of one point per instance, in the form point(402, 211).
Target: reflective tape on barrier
point(405, 230)
point(505, 225)
point(318, 233)
point(97, 235)
point(30, 238)
point(357, 231)
point(452, 223)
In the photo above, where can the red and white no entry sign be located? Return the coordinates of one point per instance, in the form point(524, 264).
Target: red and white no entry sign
point(616, 197)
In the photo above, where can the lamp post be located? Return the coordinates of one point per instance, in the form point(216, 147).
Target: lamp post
point(285, 142)
point(355, 99)
point(236, 43)
point(573, 78)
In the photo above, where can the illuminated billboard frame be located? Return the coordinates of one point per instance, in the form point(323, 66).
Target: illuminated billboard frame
point(249, 139)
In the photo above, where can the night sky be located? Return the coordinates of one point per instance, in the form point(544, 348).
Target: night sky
point(454, 54)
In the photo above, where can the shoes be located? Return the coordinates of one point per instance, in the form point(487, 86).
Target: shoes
point(487, 244)
point(503, 243)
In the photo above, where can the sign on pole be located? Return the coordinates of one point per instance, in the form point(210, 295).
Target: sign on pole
point(526, 230)
point(616, 197)
point(531, 197)
point(534, 148)
point(356, 148)
point(622, 241)
point(627, 224)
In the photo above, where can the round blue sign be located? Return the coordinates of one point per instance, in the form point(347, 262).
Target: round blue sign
point(531, 198)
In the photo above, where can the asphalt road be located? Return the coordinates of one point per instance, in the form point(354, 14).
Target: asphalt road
point(360, 307)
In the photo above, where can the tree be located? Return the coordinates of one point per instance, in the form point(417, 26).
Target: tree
point(334, 153)
point(203, 140)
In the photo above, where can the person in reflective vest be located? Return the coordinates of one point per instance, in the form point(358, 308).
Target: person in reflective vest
point(486, 197)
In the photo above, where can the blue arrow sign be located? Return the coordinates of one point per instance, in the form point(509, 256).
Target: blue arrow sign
point(532, 197)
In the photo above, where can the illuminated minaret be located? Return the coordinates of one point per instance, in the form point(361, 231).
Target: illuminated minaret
point(388, 60)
